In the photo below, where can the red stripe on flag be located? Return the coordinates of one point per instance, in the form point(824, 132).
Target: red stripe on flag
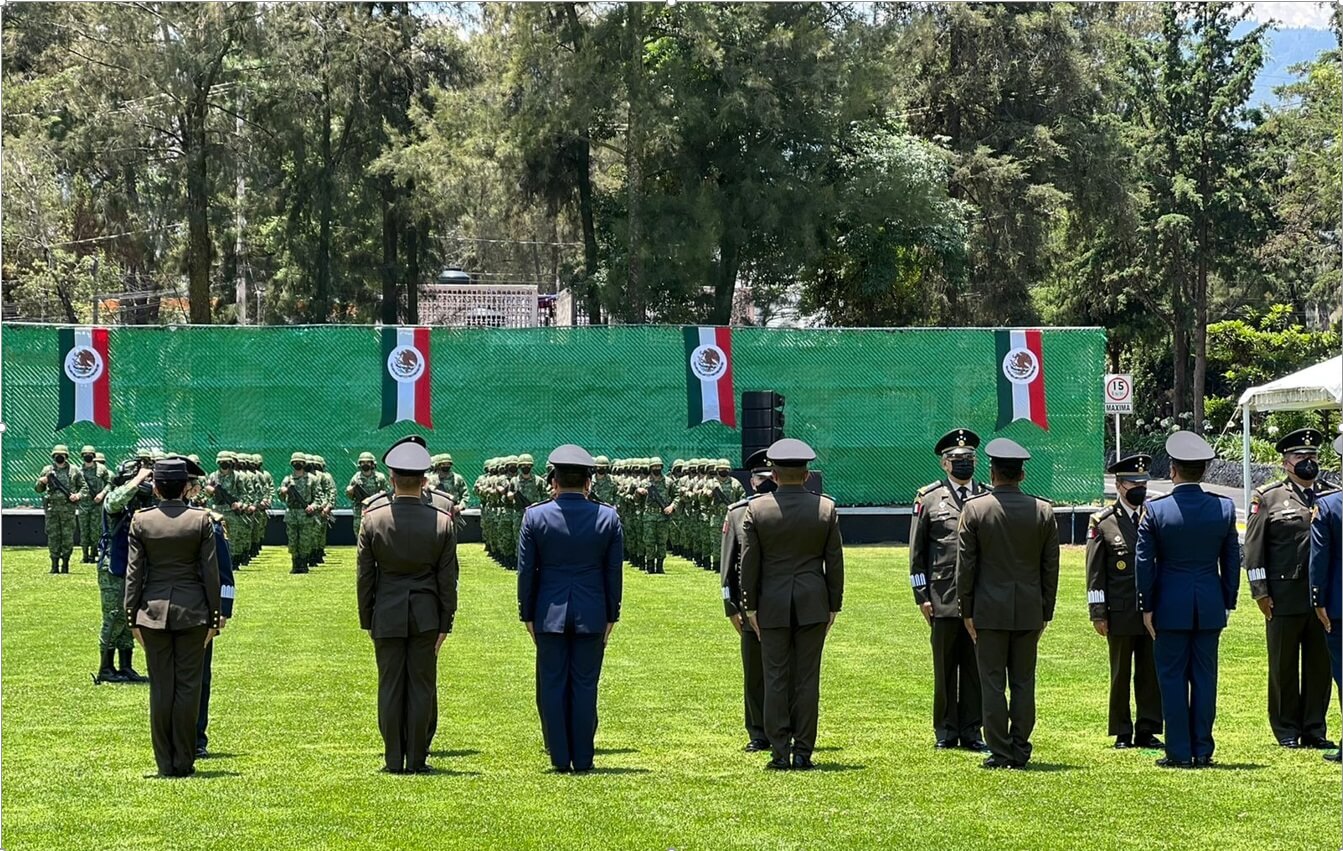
point(422, 413)
point(727, 398)
point(102, 396)
point(1037, 387)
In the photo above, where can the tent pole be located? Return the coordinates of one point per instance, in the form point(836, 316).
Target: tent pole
point(1245, 454)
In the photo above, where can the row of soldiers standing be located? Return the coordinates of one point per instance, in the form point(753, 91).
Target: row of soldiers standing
point(72, 499)
point(682, 513)
point(505, 487)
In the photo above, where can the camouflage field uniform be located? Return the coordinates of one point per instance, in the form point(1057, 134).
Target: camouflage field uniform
point(61, 515)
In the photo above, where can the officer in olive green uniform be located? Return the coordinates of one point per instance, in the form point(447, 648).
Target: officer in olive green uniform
point(1277, 558)
point(792, 587)
point(1112, 598)
point(96, 478)
point(63, 488)
point(1007, 579)
point(364, 484)
point(753, 669)
point(957, 699)
point(407, 593)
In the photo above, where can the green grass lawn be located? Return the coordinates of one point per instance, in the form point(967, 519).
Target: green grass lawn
point(297, 747)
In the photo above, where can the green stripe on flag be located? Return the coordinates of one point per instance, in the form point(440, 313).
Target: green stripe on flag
point(1003, 344)
point(694, 393)
point(66, 336)
point(388, 384)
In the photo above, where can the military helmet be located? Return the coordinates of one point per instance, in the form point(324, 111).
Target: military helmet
point(437, 459)
point(224, 455)
point(678, 464)
point(525, 459)
point(655, 461)
point(157, 455)
point(366, 456)
point(447, 457)
point(88, 450)
point(102, 459)
point(299, 457)
point(724, 464)
point(60, 449)
point(319, 460)
point(602, 461)
point(195, 459)
point(510, 460)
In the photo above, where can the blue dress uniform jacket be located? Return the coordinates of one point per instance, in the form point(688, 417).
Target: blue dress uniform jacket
point(1326, 555)
point(1183, 537)
point(569, 560)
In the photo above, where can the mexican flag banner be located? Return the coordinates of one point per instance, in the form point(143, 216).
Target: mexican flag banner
point(708, 376)
point(405, 377)
point(1021, 378)
point(85, 370)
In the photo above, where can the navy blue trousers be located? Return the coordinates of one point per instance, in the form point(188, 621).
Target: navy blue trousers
point(1334, 640)
point(1186, 667)
point(203, 716)
point(568, 668)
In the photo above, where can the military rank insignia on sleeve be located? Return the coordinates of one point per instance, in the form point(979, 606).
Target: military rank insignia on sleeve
point(1254, 504)
point(918, 506)
point(1093, 531)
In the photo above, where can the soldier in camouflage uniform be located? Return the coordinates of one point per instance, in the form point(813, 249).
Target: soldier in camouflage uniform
point(265, 500)
point(363, 484)
point(603, 486)
point(63, 488)
point(478, 488)
point(132, 492)
point(510, 515)
point(657, 517)
point(725, 491)
point(247, 475)
point(97, 479)
point(328, 502)
point(227, 497)
point(450, 482)
point(299, 492)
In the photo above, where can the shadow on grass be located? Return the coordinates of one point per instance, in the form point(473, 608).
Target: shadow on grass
point(827, 748)
point(600, 751)
point(435, 771)
point(198, 775)
point(1233, 766)
point(459, 752)
point(614, 770)
point(220, 755)
point(1045, 767)
point(836, 766)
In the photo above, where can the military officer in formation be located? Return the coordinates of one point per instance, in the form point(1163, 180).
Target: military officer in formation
point(505, 489)
point(364, 484)
point(1112, 601)
point(407, 594)
point(63, 488)
point(1326, 578)
point(98, 480)
point(1188, 572)
point(1007, 579)
point(304, 495)
point(792, 583)
point(932, 574)
point(1277, 556)
point(753, 670)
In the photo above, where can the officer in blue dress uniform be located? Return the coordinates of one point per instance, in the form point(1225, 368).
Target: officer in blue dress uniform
point(1188, 570)
point(1326, 577)
point(569, 591)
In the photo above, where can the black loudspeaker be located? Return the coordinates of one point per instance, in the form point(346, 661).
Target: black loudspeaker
point(761, 421)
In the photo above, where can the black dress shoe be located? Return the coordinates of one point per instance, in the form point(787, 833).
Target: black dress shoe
point(421, 769)
point(1167, 762)
point(1318, 744)
point(1149, 742)
point(201, 752)
point(975, 745)
point(994, 762)
point(387, 769)
point(945, 744)
point(1123, 743)
point(1336, 756)
point(802, 762)
point(1203, 762)
point(1289, 743)
point(756, 745)
point(778, 763)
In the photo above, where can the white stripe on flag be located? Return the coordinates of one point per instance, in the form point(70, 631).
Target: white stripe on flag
point(1021, 393)
point(709, 389)
point(405, 390)
point(84, 392)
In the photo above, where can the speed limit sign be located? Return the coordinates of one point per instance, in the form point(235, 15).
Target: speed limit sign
point(1118, 394)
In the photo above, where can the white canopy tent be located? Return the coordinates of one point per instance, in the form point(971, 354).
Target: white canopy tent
point(1313, 388)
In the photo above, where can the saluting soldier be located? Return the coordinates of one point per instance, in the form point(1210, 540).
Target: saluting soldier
point(792, 586)
point(1188, 570)
point(407, 588)
point(1277, 556)
point(173, 609)
point(1112, 601)
point(753, 671)
point(1007, 578)
point(1326, 578)
point(957, 702)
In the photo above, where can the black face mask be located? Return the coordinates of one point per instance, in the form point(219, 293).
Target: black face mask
point(58, 459)
point(1307, 468)
point(365, 468)
point(963, 469)
point(1136, 495)
point(767, 486)
point(88, 459)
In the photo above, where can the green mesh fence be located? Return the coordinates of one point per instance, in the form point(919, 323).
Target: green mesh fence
point(871, 402)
